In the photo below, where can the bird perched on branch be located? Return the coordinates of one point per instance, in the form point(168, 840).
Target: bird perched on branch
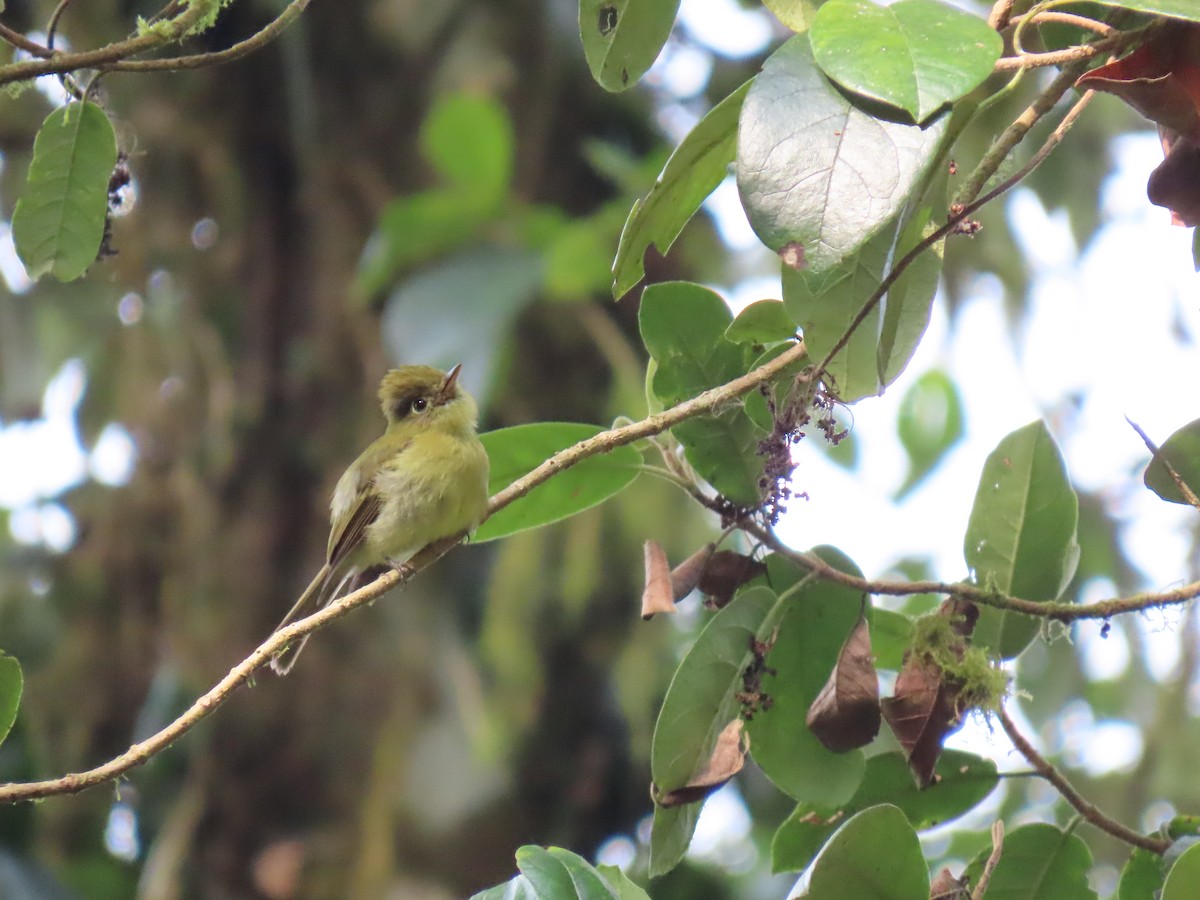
point(426, 478)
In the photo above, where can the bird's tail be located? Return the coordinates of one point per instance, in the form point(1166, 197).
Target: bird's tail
point(317, 595)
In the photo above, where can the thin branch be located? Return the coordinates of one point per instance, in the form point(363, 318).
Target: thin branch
point(1015, 133)
point(219, 693)
point(1188, 494)
point(1053, 610)
point(1079, 53)
point(992, 861)
point(1082, 806)
point(1000, 14)
point(18, 40)
point(1101, 28)
point(964, 209)
point(116, 56)
point(264, 36)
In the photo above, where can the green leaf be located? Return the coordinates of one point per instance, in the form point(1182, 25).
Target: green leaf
point(1039, 862)
point(875, 855)
point(814, 170)
point(468, 139)
point(1182, 451)
point(518, 450)
point(683, 326)
point(963, 781)
point(1183, 880)
point(413, 229)
point(762, 322)
point(907, 305)
point(557, 874)
point(923, 54)
point(811, 633)
point(1021, 535)
point(698, 165)
point(1178, 9)
point(699, 703)
point(722, 448)
point(58, 223)
point(1142, 877)
point(622, 38)
point(891, 633)
point(795, 14)
point(930, 423)
point(1196, 249)
point(11, 683)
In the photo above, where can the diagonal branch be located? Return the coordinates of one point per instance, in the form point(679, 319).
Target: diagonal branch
point(1084, 807)
point(602, 443)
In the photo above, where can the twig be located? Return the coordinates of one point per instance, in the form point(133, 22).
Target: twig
point(1082, 806)
point(1188, 494)
point(1015, 133)
point(1101, 28)
point(1053, 610)
point(962, 211)
point(219, 693)
point(992, 861)
point(1079, 53)
point(1000, 14)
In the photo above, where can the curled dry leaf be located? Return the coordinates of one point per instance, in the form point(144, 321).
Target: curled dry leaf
point(925, 707)
point(946, 887)
point(728, 757)
point(686, 576)
point(657, 595)
point(1161, 80)
point(725, 573)
point(845, 715)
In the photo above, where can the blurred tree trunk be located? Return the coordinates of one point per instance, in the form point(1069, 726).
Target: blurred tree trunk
point(247, 385)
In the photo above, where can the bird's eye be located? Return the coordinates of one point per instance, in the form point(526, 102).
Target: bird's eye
point(419, 404)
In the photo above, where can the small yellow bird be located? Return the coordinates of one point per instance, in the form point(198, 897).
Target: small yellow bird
point(425, 479)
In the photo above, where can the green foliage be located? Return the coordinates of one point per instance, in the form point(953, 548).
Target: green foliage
point(1020, 539)
point(800, 163)
point(762, 322)
point(1183, 880)
point(964, 781)
point(1179, 9)
point(557, 874)
point(684, 327)
point(930, 424)
point(1039, 862)
point(851, 865)
point(1179, 453)
point(11, 683)
point(58, 223)
point(700, 702)
point(924, 56)
point(622, 38)
point(514, 452)
point(697, 166)
point(816, 618)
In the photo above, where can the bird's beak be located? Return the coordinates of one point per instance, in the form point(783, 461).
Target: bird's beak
point(447, 389)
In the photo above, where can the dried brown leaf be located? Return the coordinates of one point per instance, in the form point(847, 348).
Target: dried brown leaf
point(686, 576)
point(727, 571)
point(845, 714)
point(728, 757)
point(924, 708)
point(657, 596)
point(946, 887)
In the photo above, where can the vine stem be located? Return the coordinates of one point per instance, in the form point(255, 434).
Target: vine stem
point(601, 443)
point(115, 56)
point(1084, 807)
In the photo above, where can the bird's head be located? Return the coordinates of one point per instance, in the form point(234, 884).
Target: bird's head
point(428, 396)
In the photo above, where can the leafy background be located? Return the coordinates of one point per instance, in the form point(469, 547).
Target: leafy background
point(448, 182)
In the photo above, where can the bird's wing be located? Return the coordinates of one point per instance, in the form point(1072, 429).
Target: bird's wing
point(353, 533)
